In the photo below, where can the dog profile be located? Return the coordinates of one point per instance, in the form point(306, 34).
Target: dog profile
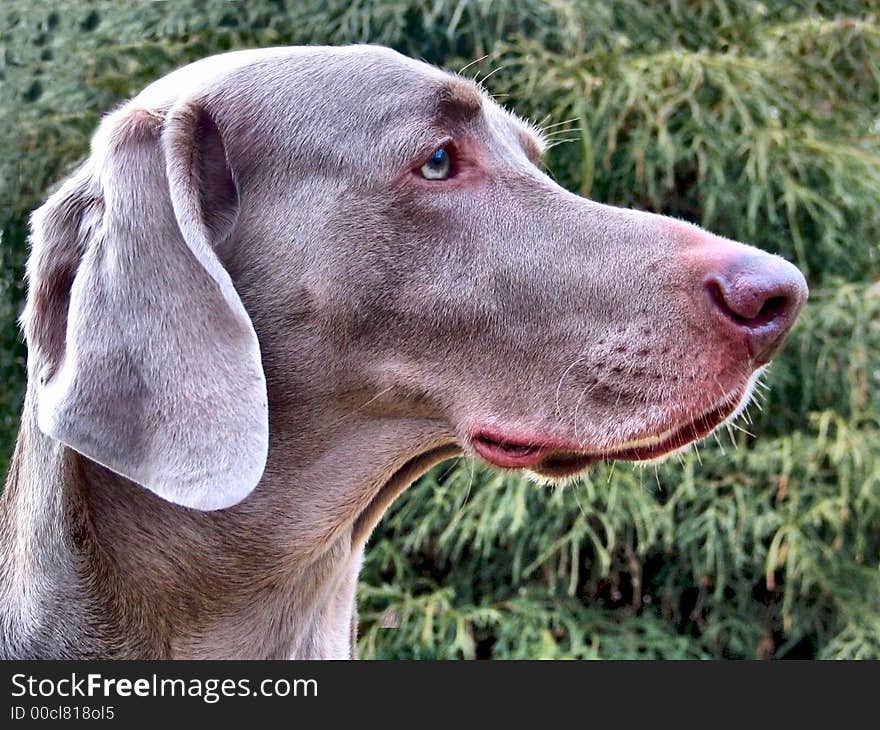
point(284, 284)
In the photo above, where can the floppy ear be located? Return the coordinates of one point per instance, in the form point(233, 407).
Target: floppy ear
point(149, 363)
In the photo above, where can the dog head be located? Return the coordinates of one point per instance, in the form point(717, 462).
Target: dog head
point(384, 230)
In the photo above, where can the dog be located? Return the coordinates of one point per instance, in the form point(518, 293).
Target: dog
point(284, 284)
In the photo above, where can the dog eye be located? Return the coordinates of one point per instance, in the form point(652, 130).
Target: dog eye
point(438, 166)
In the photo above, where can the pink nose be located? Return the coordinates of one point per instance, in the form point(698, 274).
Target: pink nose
point(760, 295)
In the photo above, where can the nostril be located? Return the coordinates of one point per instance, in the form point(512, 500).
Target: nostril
point(761, 300)
point(752, 298)
point(771, 309)
point(716, 296)
point(750, 308)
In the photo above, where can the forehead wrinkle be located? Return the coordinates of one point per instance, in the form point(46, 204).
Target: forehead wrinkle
point(458, 100)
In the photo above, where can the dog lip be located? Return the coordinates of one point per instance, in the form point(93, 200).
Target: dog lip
point(678, 436)
point(558, 458)
point(505, 451)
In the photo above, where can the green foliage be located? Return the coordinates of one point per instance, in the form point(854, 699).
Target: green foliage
point(759, 120)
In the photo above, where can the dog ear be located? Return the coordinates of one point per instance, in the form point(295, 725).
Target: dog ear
point(147, 360)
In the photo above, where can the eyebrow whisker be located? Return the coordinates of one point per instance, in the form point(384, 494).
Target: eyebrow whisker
point(561, 141)
point(556, 124)
point(494, 71)
point(550, 135)
point(475, 61)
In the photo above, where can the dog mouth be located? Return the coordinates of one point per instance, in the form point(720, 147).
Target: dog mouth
point(559, 459)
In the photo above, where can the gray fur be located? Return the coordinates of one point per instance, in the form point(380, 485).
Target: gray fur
point(250, 327)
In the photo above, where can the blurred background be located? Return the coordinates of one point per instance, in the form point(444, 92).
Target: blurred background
point(758, 120)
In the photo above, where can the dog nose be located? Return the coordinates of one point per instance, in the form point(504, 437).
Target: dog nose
point(761, 296)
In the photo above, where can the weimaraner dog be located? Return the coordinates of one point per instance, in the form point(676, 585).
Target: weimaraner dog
point(284, 284)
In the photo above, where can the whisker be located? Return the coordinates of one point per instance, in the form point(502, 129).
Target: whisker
point(729, 428)
point(467, 493)
point(587, 389)
point(364, 404)
point(562, 378)
point(576, 407)
point(611, 472)
point(555, 137)
point(451, 467)
point(556, 124)
point(740, 428)
point(491, 73)
point(556, 133)
point(580, 506)
point(559, 142)
point(540, 125)
point(697, 452)
point(478, 60)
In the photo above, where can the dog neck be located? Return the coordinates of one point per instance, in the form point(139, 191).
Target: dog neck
point(95, 565)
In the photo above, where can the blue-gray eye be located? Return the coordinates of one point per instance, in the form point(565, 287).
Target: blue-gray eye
point(438, 166)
